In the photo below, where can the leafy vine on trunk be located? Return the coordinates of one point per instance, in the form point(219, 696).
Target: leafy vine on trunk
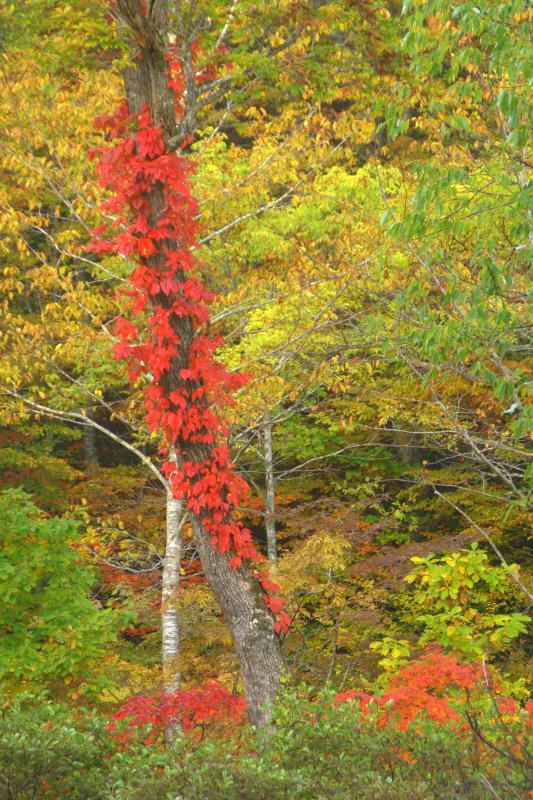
point(187, 388)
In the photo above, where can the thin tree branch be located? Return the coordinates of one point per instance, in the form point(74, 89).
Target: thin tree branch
point(514, 575)
point(80, 419)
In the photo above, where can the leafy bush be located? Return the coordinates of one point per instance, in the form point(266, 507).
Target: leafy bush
point(44, 753)
point(188, 708)
point(462, 602)
point(50, 629)
point(318, 750)
point(456, 590)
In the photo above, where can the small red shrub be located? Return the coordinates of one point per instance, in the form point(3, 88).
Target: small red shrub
point(190, 708)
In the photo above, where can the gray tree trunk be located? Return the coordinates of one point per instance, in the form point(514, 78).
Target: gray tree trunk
point(90, 449)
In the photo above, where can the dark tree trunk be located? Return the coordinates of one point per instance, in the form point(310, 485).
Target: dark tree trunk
point(251, 624)
point(90, 449)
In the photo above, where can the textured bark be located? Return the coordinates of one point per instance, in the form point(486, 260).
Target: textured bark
point(90, 449)
point(256, 644)
point(270, 494)
point(169, 613)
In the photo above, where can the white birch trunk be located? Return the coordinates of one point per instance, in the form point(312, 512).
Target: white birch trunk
point(169, 613)
point(270, 497)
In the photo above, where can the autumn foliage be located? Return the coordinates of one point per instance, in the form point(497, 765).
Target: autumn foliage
point(318, 218)
point(185, 401)
point(437, 686)
point(189, 709)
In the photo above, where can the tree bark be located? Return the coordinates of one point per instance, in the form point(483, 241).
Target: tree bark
point(256, 645)
point(170, 631)
point(251, 624)
point(90, 449)
point(270, 494)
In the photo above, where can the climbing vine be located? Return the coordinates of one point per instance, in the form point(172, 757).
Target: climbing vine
point(187, 387)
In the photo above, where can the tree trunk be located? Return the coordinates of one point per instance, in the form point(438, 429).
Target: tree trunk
point(251, 624)
point(90, 449)
point(270, 495)
point(256, 645)
point(170, 632)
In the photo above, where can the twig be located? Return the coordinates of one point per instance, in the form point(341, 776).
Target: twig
point(514, 575)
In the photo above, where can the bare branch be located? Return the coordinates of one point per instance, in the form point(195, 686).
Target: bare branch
point(81, 419)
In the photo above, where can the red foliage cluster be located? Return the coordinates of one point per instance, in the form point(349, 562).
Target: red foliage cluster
point(113, 576)
point(202, 75)
point(138, 633)
point(165, 283)
point(190, 708)
point(433, 686)
point(191, 572)
point(427, 686)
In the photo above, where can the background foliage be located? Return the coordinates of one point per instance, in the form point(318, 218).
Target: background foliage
point(364, 195)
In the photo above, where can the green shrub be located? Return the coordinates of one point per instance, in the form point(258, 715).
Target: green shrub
point(317, 751)
point(50, 629)
point(44, 753)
